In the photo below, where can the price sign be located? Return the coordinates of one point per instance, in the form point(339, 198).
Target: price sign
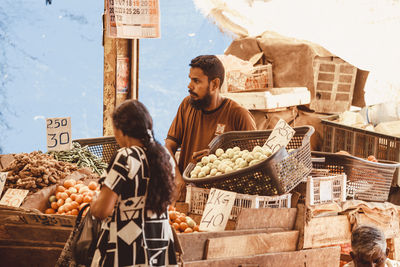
point(3, 178)
point(218, 208)
point(59, 134)
point(280, 136)
point(14, 197)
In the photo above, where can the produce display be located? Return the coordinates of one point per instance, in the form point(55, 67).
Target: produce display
point(181, 222)
point(71, 196)
point(228, 161)
point(36, 170)
point(82, 157)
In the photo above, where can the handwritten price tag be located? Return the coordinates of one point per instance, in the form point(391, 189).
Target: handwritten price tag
point(14, 197)
point(280, 136)
point(59, 134)
point(218, 208)
point(3, 178)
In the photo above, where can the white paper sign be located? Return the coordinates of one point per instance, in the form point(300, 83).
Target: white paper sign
point(14, 197)
point(133, 19)
point(218, 208)
point(280, 136)
point(59, 134)
point(325, 190)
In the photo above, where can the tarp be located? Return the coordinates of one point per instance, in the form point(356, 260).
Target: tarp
point(364, 33)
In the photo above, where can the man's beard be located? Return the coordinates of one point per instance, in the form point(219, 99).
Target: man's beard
point(201, 103)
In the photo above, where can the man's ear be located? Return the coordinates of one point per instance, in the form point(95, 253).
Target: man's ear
point(215, 84)
point(352, 255)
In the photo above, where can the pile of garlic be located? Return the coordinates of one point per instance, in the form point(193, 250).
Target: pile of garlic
point(227, 161)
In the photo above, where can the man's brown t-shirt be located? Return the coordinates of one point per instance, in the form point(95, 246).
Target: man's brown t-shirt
point(193, 129)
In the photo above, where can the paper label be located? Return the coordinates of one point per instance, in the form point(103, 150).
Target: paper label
point(280, 136)
point(218, 208)
point(59, 134)
point(14, 197)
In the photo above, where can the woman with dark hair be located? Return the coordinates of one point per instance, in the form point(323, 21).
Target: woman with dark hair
point(135, 194)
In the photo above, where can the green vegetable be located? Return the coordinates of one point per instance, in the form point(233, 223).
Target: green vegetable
point(82, 157)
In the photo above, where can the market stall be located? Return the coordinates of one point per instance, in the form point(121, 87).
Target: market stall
point(260, 198)
point(292, 205)
point(41, 197)
point(337, 194)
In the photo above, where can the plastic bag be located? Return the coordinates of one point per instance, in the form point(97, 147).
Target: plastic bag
point(85, 241)
point(384, 112)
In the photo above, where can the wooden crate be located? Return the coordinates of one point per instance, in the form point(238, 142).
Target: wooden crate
point(334, 82)
point(277, 219)
point(394, 248)
point(327, 257)
point(31, 244)
point(30, 238)
point(334, 230)
point(207, 245)
point(34, 217)
point(321, 231)
point(249, 222)
point(29, 256)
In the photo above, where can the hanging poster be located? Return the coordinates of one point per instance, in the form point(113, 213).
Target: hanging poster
point(133, 19)
point(122, 75)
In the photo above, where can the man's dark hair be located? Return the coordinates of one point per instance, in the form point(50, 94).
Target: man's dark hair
point(211, 66)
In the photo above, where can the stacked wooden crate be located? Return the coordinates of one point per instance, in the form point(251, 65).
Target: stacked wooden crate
point(259, 237)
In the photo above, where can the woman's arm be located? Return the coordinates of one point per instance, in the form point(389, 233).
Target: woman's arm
point(103, 206)
point(180, 184)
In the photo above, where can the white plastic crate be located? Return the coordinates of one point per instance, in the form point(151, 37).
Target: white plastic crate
point(272, 99)
point(326, 189)
point(197, 197)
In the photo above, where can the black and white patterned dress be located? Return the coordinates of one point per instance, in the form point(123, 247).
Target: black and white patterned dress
point(133, 236)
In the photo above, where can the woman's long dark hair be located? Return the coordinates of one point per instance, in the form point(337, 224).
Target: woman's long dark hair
point(134, 120)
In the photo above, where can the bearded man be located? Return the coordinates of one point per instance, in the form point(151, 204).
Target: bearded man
point(204, 114)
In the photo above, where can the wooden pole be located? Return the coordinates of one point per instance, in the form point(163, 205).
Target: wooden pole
point(135, 69)
point(119, 55)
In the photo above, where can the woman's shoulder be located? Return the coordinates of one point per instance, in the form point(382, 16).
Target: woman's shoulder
point(123, 153)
